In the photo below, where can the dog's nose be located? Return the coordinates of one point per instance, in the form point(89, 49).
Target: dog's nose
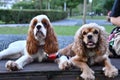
point(38, 27)
point(89, 36)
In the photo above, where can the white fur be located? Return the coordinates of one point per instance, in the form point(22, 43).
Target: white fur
point(63, 59)
point(64, 63)
point(42, 29)
point(13, 49)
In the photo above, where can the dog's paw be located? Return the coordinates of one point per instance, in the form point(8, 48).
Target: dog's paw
point(88, 75)
point(12, 66)
point(110, 72)
point(64, 63)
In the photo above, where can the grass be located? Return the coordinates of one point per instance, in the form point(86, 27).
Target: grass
point(13, 30)
point(109, 28)
point(88, 17)
point(60, 30)
point(70, 30)
point(65, 30)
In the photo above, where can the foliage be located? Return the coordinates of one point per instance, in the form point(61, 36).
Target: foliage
point(102, 6)
point(24, 16)
point(33, 4)
point(73, 3)
point(108, 4)
point(70, 4)
point(98, 6)
point(24, 5)
point(57, 4)
point(54, 4)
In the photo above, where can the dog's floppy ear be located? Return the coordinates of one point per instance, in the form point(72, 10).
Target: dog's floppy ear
point(51, 42)
point(102, 42)
point(78, 46)
point(32, 43)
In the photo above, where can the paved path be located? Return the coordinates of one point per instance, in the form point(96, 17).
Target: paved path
point(6, 39)
point(78, 22)
point(65, 22)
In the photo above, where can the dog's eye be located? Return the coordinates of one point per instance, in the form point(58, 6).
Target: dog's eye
point(84, 33)
point(95, 32)
point(45, 24)
point(35, 22)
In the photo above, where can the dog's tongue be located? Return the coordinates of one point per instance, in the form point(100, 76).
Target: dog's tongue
point(90, 43)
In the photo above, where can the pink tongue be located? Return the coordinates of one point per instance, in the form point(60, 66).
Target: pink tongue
point(90, 43)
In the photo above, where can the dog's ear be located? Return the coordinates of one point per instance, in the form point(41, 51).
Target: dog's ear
point(78, 46)
point(102, 40)
point(32, 43)
point(51, 42)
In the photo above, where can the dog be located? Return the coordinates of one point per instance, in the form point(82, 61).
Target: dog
point(90, 46)
point(41, 41)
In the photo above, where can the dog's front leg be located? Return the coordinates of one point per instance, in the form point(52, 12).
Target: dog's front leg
point(18, 64)
point(87, 73)
point(109, 69)
point(63, 62)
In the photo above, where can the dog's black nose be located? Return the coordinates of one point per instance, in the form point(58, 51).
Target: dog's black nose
point(38, 27)
point(89, 36)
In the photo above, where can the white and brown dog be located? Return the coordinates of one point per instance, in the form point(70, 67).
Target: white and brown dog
point(41, 40)
point(90, 46)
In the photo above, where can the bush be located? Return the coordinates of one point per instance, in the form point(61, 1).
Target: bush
point(24, 16)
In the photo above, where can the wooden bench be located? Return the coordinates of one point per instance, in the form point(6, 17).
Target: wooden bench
point(47, 70)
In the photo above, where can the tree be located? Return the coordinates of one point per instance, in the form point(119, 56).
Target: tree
point(72, 4)
point(41, 1)
point(108, 4)
point(102, 6)
point(24, 5)
point(84, 12)
point(34, 4)
point(56, 4)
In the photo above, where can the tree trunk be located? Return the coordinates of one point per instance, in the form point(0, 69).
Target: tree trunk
point(41, 4)
point(84, 12)
point(46, 4)
point(65, 6)
point(70, 12)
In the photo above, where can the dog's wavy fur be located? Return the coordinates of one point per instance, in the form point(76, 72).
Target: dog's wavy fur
point(88, 50)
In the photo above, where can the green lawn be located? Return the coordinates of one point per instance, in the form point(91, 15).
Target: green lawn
point(88, 17)
point(70, 30)
point(65, 30)
point(13, 30)
point(60, 30)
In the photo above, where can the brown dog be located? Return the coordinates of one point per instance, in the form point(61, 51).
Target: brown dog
point(90, 46)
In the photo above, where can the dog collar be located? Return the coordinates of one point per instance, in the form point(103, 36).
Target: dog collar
point(54, 56)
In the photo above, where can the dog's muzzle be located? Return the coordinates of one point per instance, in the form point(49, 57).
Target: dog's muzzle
point(90, 43)
point(89, 37)
point(39, 33)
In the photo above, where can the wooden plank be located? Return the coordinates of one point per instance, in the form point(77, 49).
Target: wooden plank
point(50, 71)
